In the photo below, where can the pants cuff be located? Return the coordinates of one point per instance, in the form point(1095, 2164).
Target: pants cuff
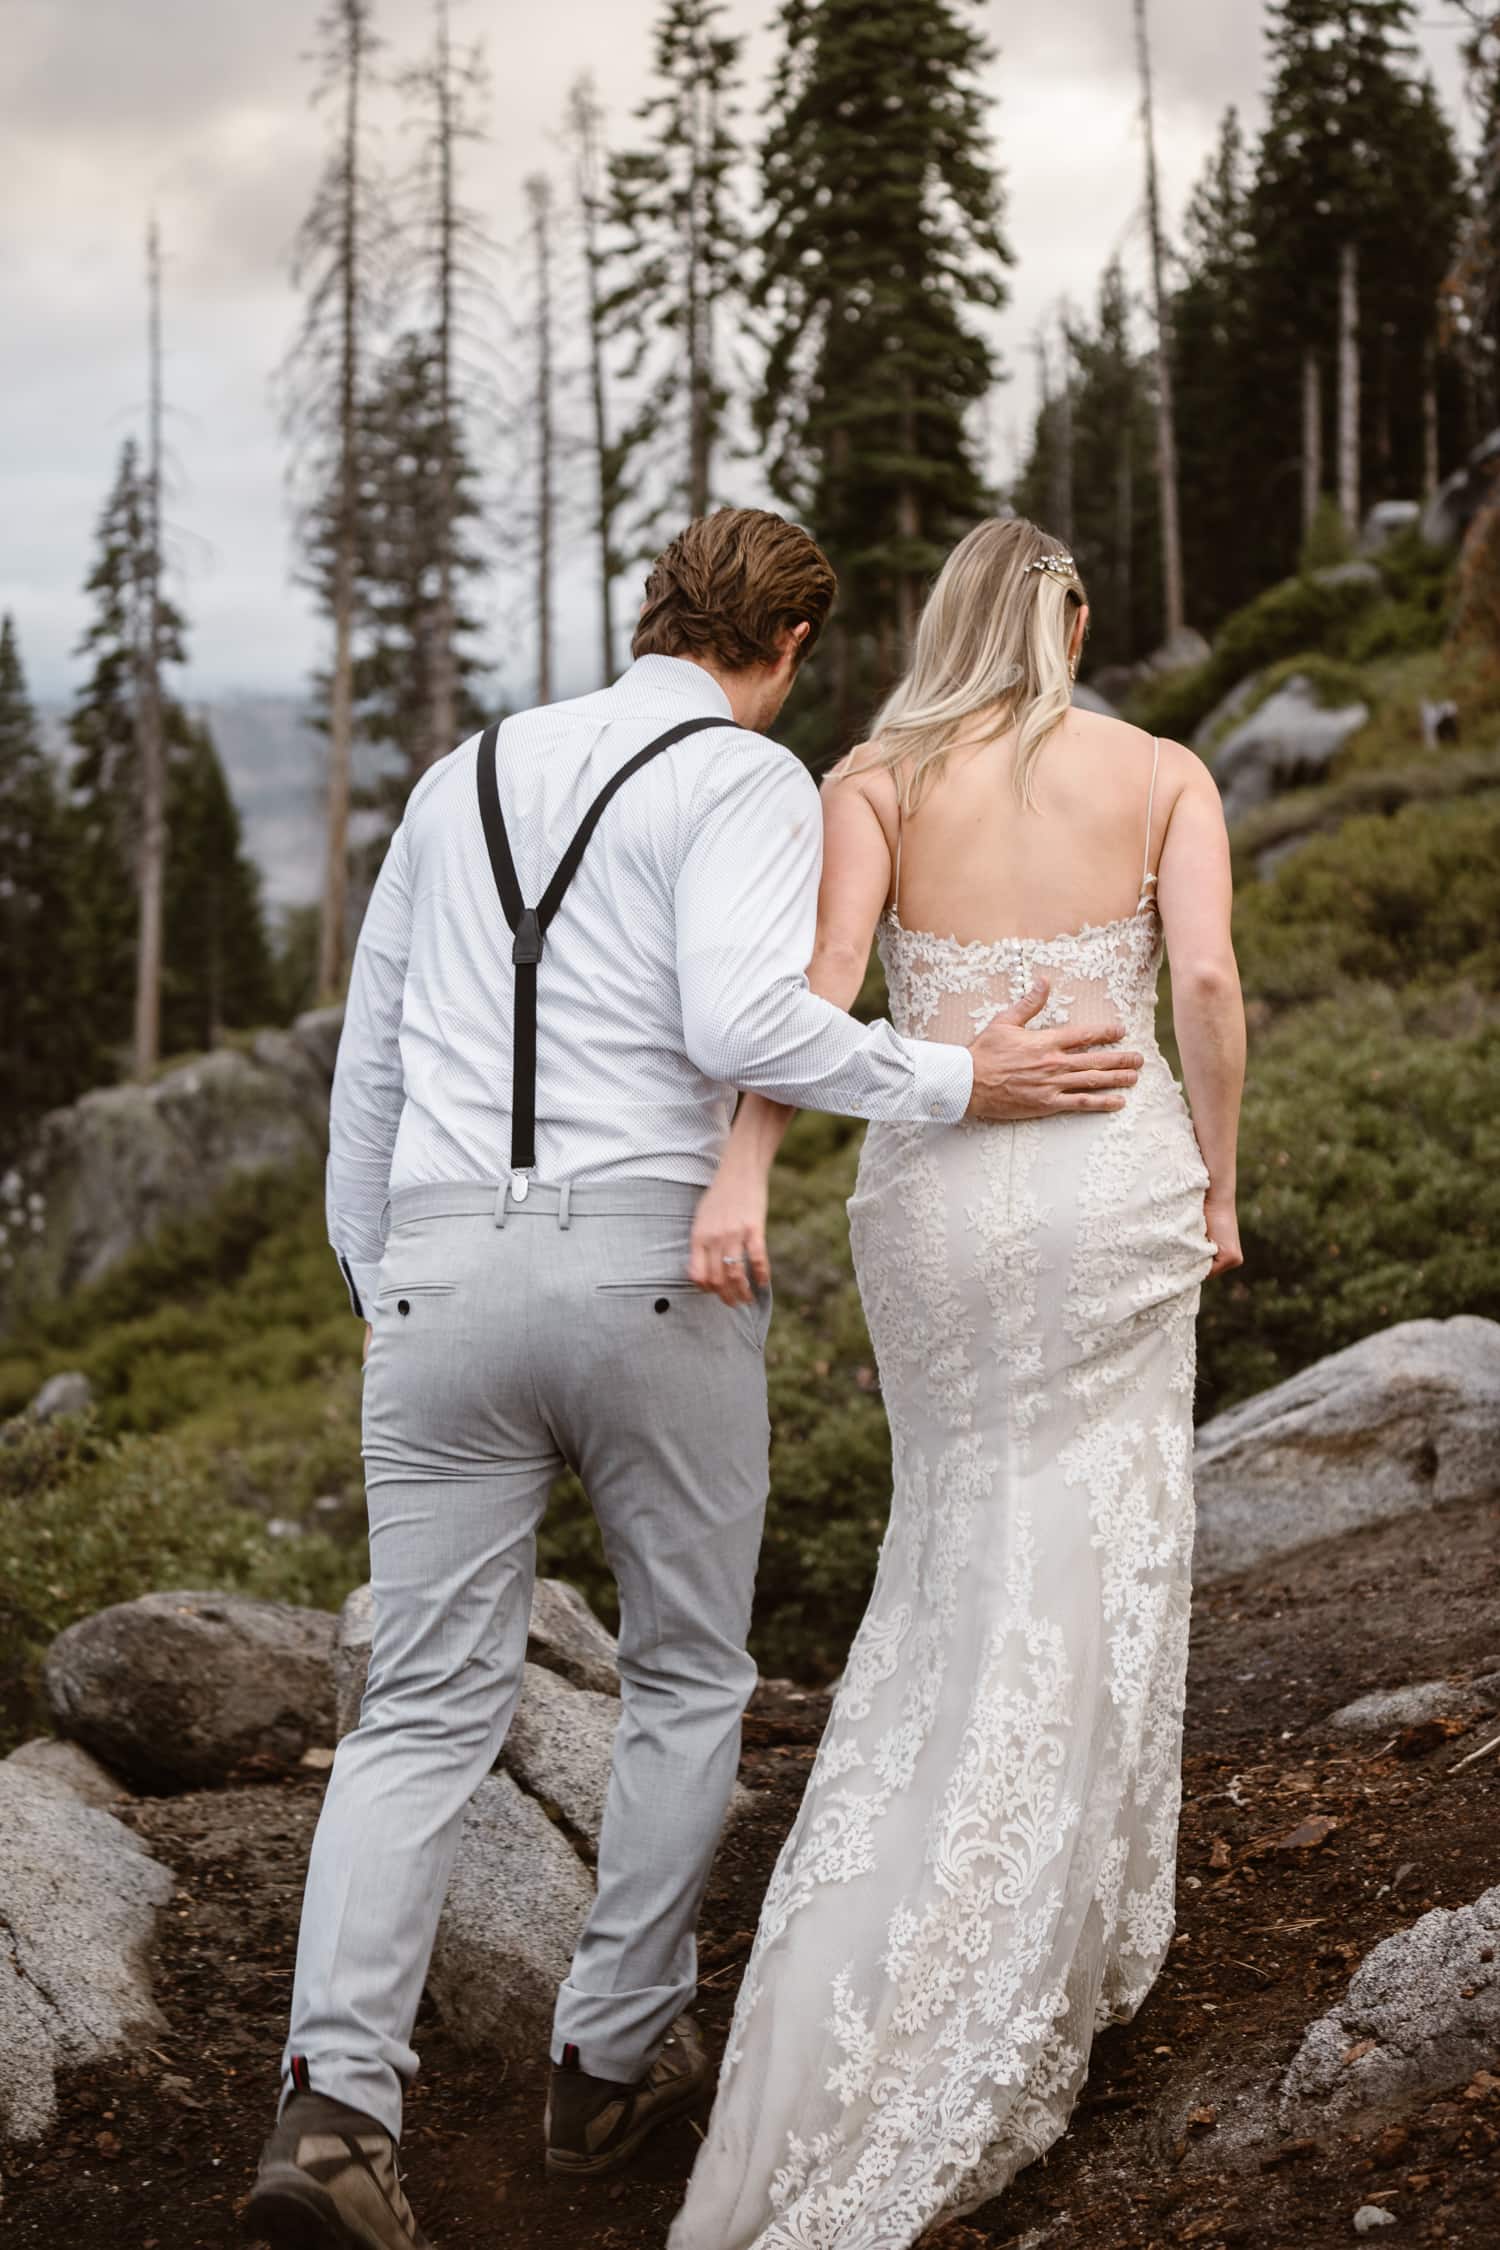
point(618, 2034)
point(366, 2086)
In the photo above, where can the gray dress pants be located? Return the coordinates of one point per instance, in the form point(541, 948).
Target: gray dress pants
point(512, 1339)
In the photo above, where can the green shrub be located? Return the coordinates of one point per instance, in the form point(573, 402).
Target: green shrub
point(1327, 541)
point(86, 1520)
point(1369, 1186)
point(1411, 897)
point(1301, 614)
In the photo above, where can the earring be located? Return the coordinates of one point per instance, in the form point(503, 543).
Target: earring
point(1073, 669)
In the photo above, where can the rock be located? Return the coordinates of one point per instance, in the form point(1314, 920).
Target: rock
point(1369, 2216)
point(1455, 504)
point(511, 1919)
point(68, 1766)
point(351, 1658)
point(78, 1902)
point(1407, 1419)
point(1422, 2011)
point(1228, 707)
point(1089, 699)
point(71, 1393)
point(104, 1174)
point(1440, 722)
point(180, 1689)
point(567, 1637)
point(317, 1033)
point(1388, 1710)
point(1386, 521)
point(559, 1747)
point(1288, 742)
point(1182, 651)
point(1349, 574)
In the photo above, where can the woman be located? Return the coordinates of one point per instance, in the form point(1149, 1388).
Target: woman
point(981, 1874)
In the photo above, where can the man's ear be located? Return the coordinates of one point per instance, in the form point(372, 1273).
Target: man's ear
point(791, 642)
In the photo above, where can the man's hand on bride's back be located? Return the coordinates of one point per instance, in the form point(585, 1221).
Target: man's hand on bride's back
point(1021, 1072)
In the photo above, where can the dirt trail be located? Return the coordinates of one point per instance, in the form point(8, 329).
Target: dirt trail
point(155, 2152)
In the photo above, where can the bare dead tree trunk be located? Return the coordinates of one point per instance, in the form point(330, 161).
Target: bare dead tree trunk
point(1349, 417)
point(1125, 530)
point(150, 733)
point(335, 905)
point(442, 723)
point(1066, 434)
point(539, 195)
point(695, 296)
point(1166, 421)
point(1312, 437)
point(1430, 459)
point(585, 120)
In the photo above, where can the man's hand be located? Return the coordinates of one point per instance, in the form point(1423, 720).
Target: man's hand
point(1020, 1073)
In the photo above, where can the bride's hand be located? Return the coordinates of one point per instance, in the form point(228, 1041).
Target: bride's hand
point(1223, 1232)
point(729, 1234)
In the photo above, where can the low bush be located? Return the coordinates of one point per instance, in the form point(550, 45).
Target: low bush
point(1300, 615)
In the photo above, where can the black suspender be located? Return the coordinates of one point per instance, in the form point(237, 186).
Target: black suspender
point(530, 923)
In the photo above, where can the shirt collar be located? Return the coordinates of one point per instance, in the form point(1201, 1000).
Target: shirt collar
point(672, 679)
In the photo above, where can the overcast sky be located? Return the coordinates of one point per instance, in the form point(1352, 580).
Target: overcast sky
point(111, 107)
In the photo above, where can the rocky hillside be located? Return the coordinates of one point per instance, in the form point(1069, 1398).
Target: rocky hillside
point(1316, 2059)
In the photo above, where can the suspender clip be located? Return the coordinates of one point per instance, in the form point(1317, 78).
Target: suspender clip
point(527, 950)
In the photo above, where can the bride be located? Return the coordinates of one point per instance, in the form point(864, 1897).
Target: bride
point(981, 1873)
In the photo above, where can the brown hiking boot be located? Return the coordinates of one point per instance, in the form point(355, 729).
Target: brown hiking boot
point(328, 2181)
point(594, 2125)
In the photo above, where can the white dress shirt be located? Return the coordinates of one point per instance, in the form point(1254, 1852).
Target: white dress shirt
point(673, 973)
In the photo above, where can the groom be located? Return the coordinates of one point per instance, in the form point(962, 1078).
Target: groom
point(545, 1028)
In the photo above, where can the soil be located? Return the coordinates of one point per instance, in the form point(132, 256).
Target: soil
point(155, 2151)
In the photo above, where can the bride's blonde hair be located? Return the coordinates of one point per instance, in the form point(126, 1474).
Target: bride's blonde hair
point(993, 637)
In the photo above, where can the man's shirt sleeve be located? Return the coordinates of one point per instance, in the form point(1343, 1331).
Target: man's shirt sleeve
point(367, 1091)
point(747, 899)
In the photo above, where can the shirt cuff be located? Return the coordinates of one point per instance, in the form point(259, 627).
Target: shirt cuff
point(360, 1280)
point(945, 1081)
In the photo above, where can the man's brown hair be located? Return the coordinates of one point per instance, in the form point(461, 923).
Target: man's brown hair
point(730, 585)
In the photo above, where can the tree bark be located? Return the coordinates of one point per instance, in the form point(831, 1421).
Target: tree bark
point(698, 315)
point(443, 721)
point(1431, 468)
point(1166, 421)
point(585, 118)
point(335, 905)
point(539, 194)
point(1349, 417)
point(1312, 437)
point(150, 736)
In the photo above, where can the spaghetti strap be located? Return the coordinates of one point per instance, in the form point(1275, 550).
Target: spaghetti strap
point(900, 833)
point(1148, 879)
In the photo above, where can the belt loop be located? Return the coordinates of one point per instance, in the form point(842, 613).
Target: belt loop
point(565, 1204)
point(502, 1202)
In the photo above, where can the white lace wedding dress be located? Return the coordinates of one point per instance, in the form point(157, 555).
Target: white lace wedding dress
point(982, 1872)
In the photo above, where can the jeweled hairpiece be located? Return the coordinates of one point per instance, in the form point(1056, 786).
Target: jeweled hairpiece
point(1057, 566)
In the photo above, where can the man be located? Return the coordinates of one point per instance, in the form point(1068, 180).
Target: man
point(540, 1092)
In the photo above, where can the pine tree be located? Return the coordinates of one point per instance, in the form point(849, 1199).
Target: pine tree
point(1221, 418)
point(1115, 531)
point(45, 1034)
point(396, 582)
point(678, 253)
point(882, 237)
point(219, 970)
point(585, 138)
point(216, 967)
point(339, 265)
point(539, 198)
point(1355, 210)
point(106, 774)
point(446, 252)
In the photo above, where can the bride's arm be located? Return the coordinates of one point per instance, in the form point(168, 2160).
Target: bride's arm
point(729, 1227)
point(1195, 895)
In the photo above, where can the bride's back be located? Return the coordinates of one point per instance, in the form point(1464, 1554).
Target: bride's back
point(977, 865)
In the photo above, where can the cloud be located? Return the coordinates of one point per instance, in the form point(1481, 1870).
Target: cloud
point(110, 109)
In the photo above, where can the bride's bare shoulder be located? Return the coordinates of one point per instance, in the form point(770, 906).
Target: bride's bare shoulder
point(861, 768)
